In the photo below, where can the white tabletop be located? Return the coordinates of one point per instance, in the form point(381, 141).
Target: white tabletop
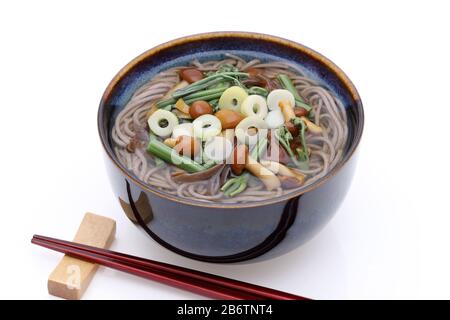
point(390, 237)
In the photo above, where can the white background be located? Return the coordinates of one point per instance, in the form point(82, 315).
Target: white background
point(389, 238)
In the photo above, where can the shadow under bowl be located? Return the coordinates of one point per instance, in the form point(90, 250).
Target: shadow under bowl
point(216, 232)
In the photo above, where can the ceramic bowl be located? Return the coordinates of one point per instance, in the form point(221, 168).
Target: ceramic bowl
point(217, 232)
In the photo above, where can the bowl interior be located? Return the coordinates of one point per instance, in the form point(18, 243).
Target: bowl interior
point(212, 47)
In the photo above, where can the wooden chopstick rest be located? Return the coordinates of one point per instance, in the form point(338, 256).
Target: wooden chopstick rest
point(72, 276)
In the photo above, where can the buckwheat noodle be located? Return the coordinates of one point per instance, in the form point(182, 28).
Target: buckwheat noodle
point(326, 149)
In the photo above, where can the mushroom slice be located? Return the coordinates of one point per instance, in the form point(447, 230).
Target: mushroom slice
point(312, 127)
point(198, 176)
point(283, 170)
point(269, 179)
point(289, 182)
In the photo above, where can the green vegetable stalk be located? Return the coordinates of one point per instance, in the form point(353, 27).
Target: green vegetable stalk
point(158, 161)
point(283, 135)
point(211, 80)
point(226, 67)
point(236, 185)
point(196, 87)
point(287, 84)
point(302, 153)
point(259, 91)
point(165, 103)
point(160, 150)
point(214, 103)
point(204, 97)
point(201, 95)
point(208, 88)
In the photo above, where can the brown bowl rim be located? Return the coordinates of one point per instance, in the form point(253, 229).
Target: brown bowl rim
point(233, 34)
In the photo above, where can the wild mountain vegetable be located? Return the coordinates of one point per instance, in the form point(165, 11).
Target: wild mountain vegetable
point(210, 113)
point(209, 81)
point(302, 153)
point(209, 94)
point(206, 93)
point(263, 92)
point(292, 128)
point(235, 185)
point(287, 84)
point(160, 150)
point(224, 67)
point(206, 96)
point(167, 97)
point(214, 103)
point(284, 137)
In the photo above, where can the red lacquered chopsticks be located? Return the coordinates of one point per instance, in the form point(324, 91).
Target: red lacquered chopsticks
point(191, 280)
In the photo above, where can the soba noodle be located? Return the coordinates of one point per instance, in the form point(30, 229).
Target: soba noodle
point(326, 149)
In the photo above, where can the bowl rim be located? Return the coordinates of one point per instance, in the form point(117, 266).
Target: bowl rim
point(231, 34)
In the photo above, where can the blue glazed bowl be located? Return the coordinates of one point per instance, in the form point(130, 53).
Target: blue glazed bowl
point(218, 232)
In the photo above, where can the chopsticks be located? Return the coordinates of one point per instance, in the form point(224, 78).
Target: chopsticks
point(191, 280)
